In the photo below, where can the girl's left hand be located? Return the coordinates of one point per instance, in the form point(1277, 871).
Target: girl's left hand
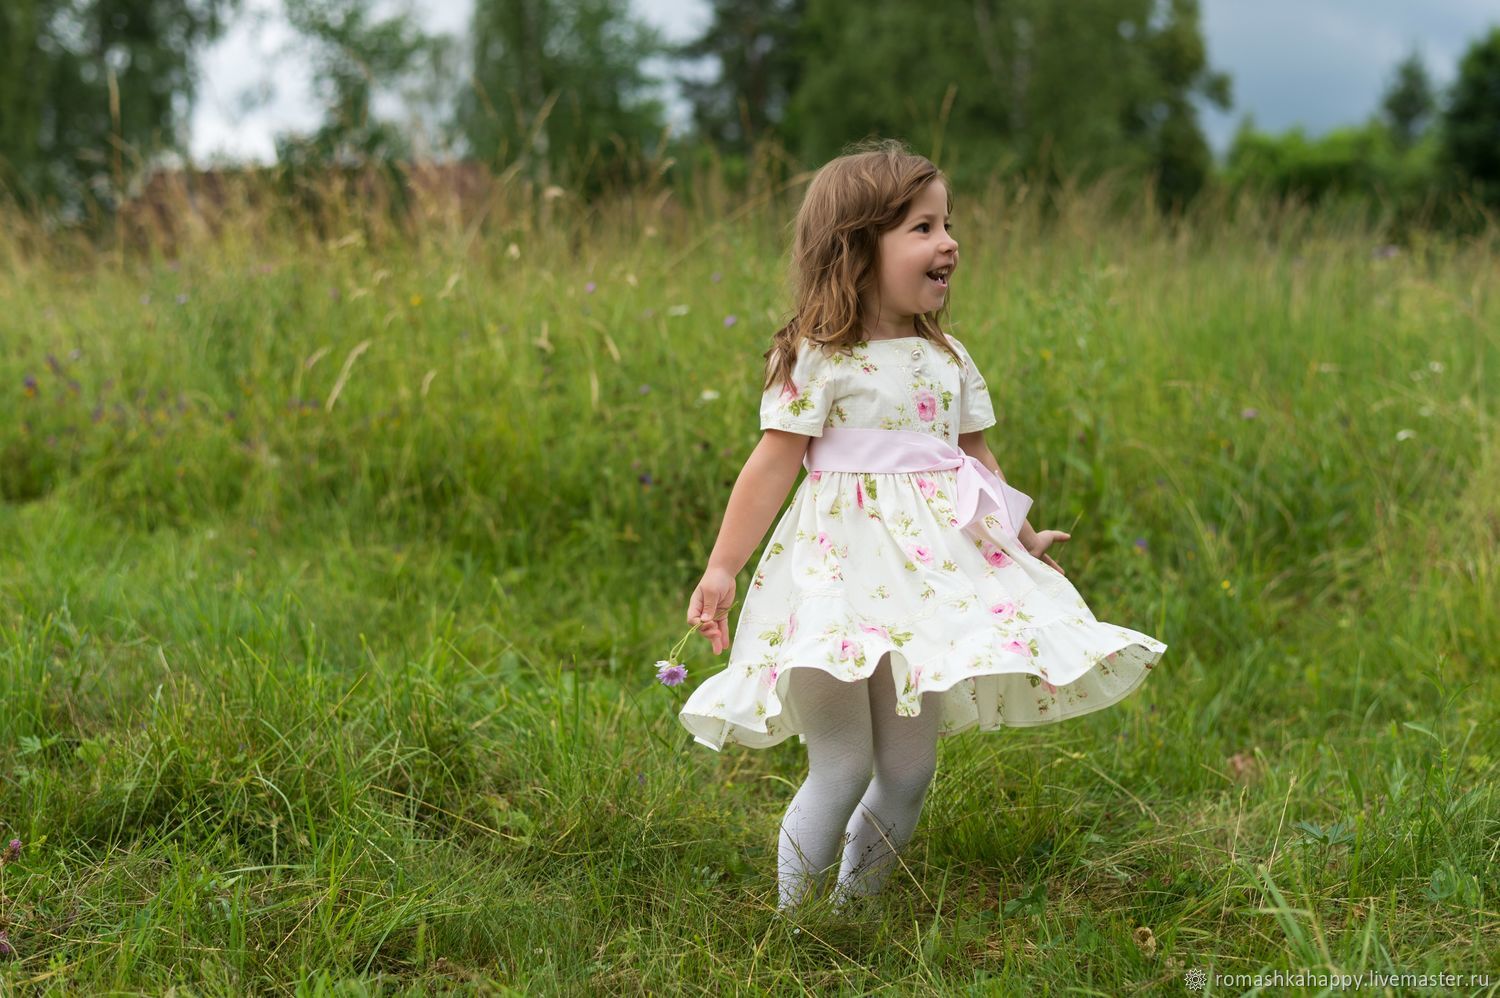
point(1042, 541)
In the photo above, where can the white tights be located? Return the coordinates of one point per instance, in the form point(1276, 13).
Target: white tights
point(850, 727)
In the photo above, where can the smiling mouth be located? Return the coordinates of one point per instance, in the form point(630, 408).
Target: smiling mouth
point(940, 276)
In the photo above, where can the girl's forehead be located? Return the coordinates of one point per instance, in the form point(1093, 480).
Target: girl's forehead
point(935, 193)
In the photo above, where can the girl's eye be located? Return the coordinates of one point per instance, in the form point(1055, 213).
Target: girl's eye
point(928, 225)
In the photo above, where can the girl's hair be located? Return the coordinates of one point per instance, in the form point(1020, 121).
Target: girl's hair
point(850, 202)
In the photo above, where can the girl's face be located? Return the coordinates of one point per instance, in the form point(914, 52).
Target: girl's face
point(917, 258)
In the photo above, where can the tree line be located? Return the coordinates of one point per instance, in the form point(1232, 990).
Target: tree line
point(91, 91)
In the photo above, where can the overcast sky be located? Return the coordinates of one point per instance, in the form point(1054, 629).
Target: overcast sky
point(1314, 63)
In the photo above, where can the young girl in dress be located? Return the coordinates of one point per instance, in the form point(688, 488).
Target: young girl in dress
point(904, 595)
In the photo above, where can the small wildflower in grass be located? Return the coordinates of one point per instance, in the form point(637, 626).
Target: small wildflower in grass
point(645, 389)
point(670, 671)
point(730, 320)
point(1405, 434)
point(1249, 413)
point(590, 287)
point(716, 277)
point(1140, 543)
point(182, 299)
point(416, 301)
point(12, 852)
point(29, 385)
point(647, 480)
point(7, 951)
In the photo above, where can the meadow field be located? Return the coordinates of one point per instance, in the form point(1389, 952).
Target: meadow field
point(335, 558)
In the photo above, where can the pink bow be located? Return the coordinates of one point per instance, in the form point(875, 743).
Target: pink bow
point(981, 492)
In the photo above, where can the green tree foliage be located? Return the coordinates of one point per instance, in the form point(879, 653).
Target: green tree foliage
point(1409, 101)
point(61, 132)
point(559, 88)
point(1030, 84)
point(1472, 119)
point(754, 43)
point(356, 55)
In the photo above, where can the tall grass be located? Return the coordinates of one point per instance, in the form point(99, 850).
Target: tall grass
point(335, 550)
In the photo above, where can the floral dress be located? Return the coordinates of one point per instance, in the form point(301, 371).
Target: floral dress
point(861, 565)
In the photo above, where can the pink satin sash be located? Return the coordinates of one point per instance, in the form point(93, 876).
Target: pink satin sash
point(981, 492)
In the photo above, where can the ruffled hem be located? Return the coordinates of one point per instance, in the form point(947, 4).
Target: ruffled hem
point(997, 688)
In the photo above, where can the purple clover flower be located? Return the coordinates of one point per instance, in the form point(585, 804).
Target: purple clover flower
point(671, 673)
point(730, 320)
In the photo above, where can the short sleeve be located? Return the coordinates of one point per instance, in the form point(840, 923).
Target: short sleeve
point(975, 411)
point(802, 404)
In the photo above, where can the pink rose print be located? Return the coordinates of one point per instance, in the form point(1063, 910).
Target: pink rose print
point(995, 556)
point(952, 521)
point(916, 677)
point(928, 487)
point(919, 553)
point(926, 406)
point(859, 494)
point(1050, 687)
point(824, 542)
point(816, 476)
point(875, 629)
point(848, 649)
point(768, 677)
point(1004, 610)
point(790, 393)
point(1017, 648)
point(791, 625)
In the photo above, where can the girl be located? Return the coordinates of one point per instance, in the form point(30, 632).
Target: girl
point(903, 596)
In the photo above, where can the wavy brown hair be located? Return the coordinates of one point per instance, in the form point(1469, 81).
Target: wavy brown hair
point(850, 203)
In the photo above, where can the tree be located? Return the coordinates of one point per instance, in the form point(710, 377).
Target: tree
point(1472, 120)
point(91, 89)
point(355, 56)
point(1408, 102)
point(755, 45)
point(558, 87)
point(1058, 88)
point(1166, 121)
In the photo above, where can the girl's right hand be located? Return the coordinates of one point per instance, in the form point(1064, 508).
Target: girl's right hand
point(709, 608)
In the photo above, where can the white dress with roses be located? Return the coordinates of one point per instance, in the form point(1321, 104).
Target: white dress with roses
point(864, 564)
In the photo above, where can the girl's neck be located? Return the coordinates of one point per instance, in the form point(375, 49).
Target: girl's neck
point(893, 327)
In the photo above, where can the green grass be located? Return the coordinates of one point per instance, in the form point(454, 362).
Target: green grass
point(329, 597)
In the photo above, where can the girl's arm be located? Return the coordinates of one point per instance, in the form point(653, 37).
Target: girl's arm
point(973, 445)
point(757, 496)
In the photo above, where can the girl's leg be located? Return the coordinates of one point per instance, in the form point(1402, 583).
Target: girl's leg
point(886, 817)
point(840, 753)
